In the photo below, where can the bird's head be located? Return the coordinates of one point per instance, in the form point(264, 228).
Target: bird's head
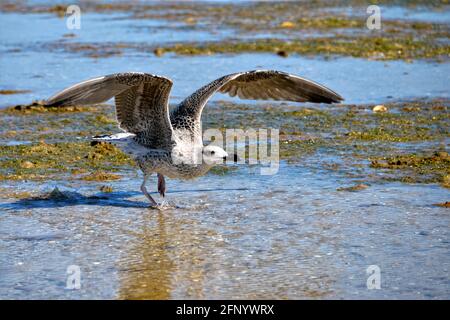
point(214, 154)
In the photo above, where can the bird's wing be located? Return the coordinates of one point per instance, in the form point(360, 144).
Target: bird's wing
point(141, 102)
point(255, 85)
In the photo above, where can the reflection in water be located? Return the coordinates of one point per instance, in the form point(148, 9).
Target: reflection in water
point(147, 266)
point(175, 255)
point(164, 256)
point(289, 239)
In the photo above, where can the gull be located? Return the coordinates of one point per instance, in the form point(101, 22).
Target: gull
point(169, 143)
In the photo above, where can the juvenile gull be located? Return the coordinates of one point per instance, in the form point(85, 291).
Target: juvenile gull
point(170, 143)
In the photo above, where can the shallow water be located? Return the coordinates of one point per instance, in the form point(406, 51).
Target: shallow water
point(45, 69)
point(389, 12)
point(239, 235)
point(368, 82)
point(242, 235)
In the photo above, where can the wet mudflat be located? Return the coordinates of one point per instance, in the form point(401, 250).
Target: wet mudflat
point(354, 187)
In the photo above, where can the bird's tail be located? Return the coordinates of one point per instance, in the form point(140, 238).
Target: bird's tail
point(121, 140)
point(125, 142)
point(123, 136)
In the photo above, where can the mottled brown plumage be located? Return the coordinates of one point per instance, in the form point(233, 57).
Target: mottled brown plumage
point(171, 143)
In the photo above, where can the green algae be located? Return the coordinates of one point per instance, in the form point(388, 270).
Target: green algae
point(106, 188)
point(352, 133)
point(292, 150)
point(416, 167)
point(56, 142)
point(8, 193)
point(354, 188)
point(39, 107)
point(331, 22)
point(375, 47)
point(222, 170)
point(392, 135)
point(446, 181)
point(380, 48)
point(8, 92)
point(290, 28)
point(35, 122)
point(61, 160)
point(101, 176)
point(443, 205)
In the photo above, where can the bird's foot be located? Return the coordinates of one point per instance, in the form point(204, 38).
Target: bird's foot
point(155, 206)
point(161, 185)
point(162, 206)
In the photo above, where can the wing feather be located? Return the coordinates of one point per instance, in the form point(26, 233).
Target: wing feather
point(141, 102)
point(256, 85)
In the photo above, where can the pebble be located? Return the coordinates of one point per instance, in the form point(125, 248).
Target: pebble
point(159, 52)
point(287, 24)
point(380, 108)
point(283, 53)
point(27, 164)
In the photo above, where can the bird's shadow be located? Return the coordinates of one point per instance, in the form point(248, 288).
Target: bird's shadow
point(59, 199)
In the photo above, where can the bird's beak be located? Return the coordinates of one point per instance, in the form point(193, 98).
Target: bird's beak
point(230, 156)
point(226, 156)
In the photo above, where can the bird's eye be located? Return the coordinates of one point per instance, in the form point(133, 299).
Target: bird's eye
point(213, 153)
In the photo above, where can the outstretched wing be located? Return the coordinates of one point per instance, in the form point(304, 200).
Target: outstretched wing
point(141, 102)
point(255, 85)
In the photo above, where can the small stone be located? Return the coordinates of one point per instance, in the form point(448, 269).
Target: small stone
point(159, 52)
point(283, 53)
point(106, 189)
point(56, 195)
point(27, 165)
point(357, 187)
point(190, 20)
point(443, 205)
point(380, 108)
point(442, 155)
point(287, 24)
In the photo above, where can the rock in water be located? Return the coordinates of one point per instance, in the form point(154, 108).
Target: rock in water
point(380, 108)
point(56, 194)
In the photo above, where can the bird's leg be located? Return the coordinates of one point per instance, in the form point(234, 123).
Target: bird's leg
point(161, 185)
point(144, 191)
